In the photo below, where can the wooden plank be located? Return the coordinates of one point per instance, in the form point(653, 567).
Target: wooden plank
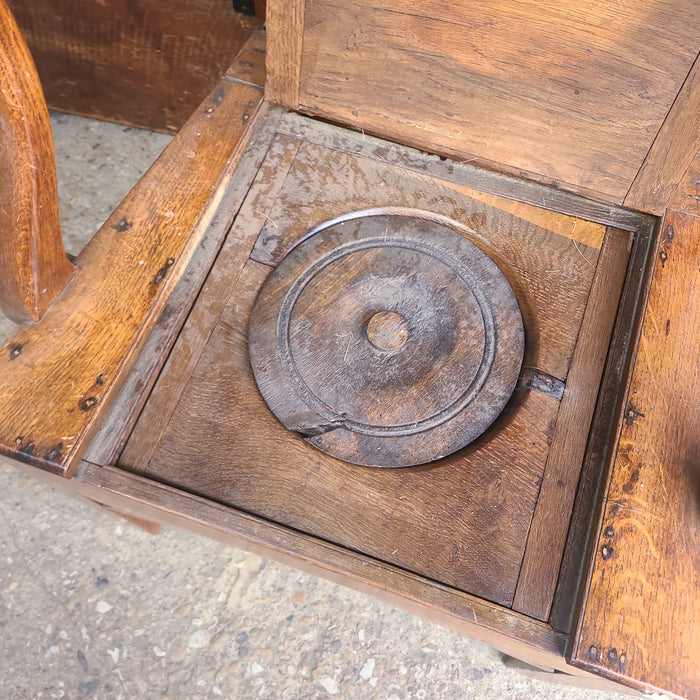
point(33, 263)
point(144, 62)
point(545, 545)
point(285, 36)
point(687, 196)
point(467, 174)
point(73, 361)
point(604, 431)
point(640, 617)
point(672, 152)
point(571, 94)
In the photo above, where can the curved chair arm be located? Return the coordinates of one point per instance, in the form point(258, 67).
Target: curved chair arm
point(33, 263)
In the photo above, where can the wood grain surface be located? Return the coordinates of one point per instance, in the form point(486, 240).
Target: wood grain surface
point(206, 429)
point(672, 152)
point(595, 471)
point(463, 523)
point(560, 91)
point(640, 620)
point(33, 264)
point(510, 632)
point(289, 174)
point(468, 174)
point(118, 424)
point(58, 378)
point(249, 66)
point(687, 197)
point(285, 30)
point(545, 545)
point(148, 63)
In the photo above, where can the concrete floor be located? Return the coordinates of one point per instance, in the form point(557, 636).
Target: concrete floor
point(91, 606)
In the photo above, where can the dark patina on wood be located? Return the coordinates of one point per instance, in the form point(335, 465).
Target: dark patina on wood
point(387, 341)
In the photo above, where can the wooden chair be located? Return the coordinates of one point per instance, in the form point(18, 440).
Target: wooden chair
point(566, 144)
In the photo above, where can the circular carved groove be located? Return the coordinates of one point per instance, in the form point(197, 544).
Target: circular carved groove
point(386, 340)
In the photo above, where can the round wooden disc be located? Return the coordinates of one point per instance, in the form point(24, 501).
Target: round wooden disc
point(386, 340)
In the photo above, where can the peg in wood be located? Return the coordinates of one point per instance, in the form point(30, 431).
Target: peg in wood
point(386, 340)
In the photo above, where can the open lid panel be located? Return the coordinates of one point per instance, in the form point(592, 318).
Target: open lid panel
point(586, 97)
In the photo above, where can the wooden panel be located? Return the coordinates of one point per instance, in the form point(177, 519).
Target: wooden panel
point(486, 182)
point(640, 621)
point(545, 545)
point(672, 152)
point(566, 93)
point(284, 212)
point(58, 378)
point(33, 264)
point(143, 62)
point(465, 522)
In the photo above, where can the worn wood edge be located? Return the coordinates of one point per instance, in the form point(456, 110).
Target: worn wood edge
point(546, 540)
point(285, 36)
point(605, 430)
point(588, 569)
point(421, 139)
point(144, 498)
point(65, 464)
point(597, 516)
point(581, 556)
point(125, 412)
point(467, 174)
point(672, 151)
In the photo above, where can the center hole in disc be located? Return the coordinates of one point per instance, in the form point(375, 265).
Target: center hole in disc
point(387, 330)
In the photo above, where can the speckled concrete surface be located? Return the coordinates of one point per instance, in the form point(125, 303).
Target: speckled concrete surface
point(91, 606)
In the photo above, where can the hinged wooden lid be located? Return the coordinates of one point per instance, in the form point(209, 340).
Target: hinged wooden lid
point(570, 94)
